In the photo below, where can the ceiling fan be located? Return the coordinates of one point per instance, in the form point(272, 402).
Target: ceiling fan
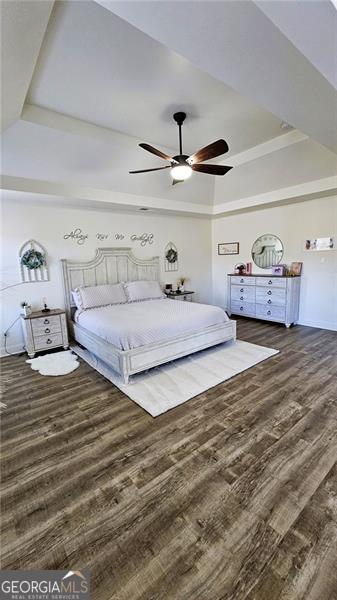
point(182, 165)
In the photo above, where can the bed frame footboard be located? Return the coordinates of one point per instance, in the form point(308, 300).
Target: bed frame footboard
point(129, 362)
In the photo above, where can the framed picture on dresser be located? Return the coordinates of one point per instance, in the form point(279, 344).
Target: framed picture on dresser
point(296, 268)
point(278, 270)
point(226, 248)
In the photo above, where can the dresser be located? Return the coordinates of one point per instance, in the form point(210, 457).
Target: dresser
point(265, 297)
point(43, 331)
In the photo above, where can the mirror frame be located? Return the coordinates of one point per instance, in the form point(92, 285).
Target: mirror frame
point(281, 256)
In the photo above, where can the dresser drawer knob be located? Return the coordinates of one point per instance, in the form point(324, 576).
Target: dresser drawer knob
point(241, 307)
point(47, 330)
point(268, 312)
point(269, 301)
point(49, 341)
point(241, 290)
point(270, 282)
point(242, 280)
point(269, 293)
point(241, 297)
point(46, 322)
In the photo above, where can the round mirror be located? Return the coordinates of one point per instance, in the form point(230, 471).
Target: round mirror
point(267, 251)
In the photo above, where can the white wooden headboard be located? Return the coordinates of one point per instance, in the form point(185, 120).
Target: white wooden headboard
point(110, 265)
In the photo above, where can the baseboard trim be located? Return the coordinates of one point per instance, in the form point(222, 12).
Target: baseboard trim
point(319, 324)
point(17, 349)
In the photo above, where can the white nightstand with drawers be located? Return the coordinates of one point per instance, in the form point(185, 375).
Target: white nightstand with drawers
point(45, 330)
point(265, 297)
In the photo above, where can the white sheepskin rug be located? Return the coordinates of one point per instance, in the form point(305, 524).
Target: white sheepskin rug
point(59, 363)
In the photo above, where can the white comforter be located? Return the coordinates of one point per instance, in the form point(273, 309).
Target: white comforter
point(136, 324)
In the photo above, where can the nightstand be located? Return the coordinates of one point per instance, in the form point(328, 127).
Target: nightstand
point(43, 331)
point(187, 296)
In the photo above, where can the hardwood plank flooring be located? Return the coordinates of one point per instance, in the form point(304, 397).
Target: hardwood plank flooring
point(230, 496)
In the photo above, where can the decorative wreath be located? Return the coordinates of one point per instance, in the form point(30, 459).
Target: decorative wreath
point(171, 255)
point(33, 259)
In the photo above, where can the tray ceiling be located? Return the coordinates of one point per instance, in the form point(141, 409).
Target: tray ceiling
point(96, 67)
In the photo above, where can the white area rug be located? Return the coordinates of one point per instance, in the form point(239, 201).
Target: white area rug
point(165, 387)
point(58, 363)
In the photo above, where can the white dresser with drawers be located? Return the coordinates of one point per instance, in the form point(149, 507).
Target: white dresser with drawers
point(43, 331)
point(265, 297)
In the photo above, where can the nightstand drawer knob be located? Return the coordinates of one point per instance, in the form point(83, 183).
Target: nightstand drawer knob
point(270, 282)
point(241, 297)
point(46, 322)
point(269, 301)
point(49, 341)
point(269, 293)
point(241, 290)
point(47, 330)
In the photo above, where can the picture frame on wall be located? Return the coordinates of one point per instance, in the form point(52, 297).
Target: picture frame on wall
point(319, 244)
point(228, 248)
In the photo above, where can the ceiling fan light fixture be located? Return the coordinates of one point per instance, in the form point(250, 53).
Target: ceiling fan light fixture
point(181, 172)
point(181, 166)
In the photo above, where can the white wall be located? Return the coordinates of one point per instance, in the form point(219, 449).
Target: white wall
point(198, 257)
point(292, 224)
point(48, 224)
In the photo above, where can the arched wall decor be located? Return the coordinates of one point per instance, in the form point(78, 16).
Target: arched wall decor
point(171, 257)
point(33, 262)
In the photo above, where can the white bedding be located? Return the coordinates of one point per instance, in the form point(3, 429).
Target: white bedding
point(136, 324)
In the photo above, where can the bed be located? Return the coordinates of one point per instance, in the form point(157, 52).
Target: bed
point(136, 336)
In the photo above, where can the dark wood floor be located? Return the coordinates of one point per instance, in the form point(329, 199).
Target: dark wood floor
point(232, 495)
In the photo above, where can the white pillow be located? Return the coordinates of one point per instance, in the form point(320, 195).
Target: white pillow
point(143, 290)
point(99, 295)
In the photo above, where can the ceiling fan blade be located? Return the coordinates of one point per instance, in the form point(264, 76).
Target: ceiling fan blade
point(156, 152)
point(148, 170)
point(211, 169)
point(211, 151)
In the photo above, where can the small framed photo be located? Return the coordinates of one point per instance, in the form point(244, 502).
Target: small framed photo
point(296, 268)
point(228, 248)
point(278, 270)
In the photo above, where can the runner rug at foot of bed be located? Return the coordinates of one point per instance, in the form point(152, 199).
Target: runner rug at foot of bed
point(162, 388)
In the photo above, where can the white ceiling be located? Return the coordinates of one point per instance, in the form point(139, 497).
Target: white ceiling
point(100, 85)
point(311, 27)
point(238, 44)
point(19, 51)
point(35, 152)
point(98, 68)
point(276, 170)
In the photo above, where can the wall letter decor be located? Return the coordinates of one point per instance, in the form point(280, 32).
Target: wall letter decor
point(144, 238)
point(76, 234)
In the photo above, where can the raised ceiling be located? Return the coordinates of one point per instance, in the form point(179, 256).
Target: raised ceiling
point(99, 85)
point(98, 68)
